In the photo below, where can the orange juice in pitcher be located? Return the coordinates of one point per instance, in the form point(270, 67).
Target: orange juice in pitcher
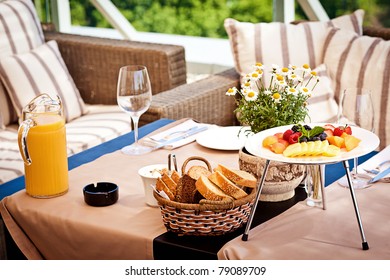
point(42, 143)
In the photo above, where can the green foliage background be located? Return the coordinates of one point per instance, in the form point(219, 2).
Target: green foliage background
point(205, 17)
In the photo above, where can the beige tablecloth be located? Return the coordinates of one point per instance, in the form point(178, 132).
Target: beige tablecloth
point(66, 228)
point(304, 232)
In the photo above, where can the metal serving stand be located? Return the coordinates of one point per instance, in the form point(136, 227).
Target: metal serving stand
point(253, 145)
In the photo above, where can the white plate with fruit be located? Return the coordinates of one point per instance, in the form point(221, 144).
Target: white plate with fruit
point(324, 143)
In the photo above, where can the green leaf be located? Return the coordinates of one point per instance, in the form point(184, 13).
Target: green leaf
point(316, 131)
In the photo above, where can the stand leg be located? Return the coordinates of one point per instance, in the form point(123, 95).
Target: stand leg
point(322, 174)
point(348, 174)
point(253, 210)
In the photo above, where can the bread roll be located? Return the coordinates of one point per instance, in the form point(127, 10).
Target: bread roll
point(239, 177)
point(209, 190)
point(226, 185)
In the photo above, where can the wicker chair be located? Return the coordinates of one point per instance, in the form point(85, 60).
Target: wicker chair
point(94, 64)
point(205, 100)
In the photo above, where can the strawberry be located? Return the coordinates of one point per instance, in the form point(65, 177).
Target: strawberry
point(329, 126)
point(294, 137)
point(287, 133)
point(338, 131)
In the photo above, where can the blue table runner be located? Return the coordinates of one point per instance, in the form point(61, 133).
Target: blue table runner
point(332, 171)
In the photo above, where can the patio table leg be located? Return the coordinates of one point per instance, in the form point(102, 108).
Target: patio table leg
point(348, 174)
point(260, 185)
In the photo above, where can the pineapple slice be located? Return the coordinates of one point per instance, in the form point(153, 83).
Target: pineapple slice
point(317, 148)
point(292, 150)
point(303, 149)
point(331, 151)
point(310, 148)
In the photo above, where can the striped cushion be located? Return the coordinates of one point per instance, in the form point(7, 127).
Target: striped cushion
point(283, 44)
point(19, 26)
point(321, 105)
point(362, 61)
point(11, 164)
point(20, 31)
point(41, 70)
point(102, 123)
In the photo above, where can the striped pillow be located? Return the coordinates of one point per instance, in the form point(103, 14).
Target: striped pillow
point(41, 70)
point(20, 31)
point(283, 44)
point(362, 61)
point(321, 105)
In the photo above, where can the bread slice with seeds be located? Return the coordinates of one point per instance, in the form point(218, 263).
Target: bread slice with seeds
point(209, 190)
point(239, 177)
point(226, 185)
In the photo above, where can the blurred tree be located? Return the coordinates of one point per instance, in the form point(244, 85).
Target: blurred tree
point(205, 17)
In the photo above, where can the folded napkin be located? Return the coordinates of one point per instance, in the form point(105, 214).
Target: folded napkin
point(176, 131)
point(374, 161)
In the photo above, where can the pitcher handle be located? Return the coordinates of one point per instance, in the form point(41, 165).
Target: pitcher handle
point(22, 140)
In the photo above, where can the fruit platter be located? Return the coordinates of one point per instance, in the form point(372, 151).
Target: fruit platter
point(314, 143)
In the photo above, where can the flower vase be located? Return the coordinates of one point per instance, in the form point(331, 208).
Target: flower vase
point(313, 185)
point(281, 178)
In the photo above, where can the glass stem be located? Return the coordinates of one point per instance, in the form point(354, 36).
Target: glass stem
point(354, 170)
point(135, 124)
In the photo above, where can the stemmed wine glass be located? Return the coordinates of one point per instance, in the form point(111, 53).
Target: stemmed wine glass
point(134, 95)
point(356, 109)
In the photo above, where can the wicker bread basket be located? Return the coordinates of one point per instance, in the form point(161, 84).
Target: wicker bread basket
point(206, 218)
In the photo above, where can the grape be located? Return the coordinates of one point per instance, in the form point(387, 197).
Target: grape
point(323, 136)
point(303, 139)
point(307, 127)
point(295, 128)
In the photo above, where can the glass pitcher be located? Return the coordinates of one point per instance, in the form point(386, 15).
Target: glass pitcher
point(42, 144)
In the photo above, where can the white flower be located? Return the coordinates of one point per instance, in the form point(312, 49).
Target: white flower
point(255, 76)
point(292, 90)
point(275, 67)
point(306, 68)
point(292, 67)
point(246, 85)
point(250, 95)
point(294, 77)
point(232, 91)
point(259, 66)
point(284, 71)
point(281, 83)
point(267, 92)
point(276, 97)
point(305, 91)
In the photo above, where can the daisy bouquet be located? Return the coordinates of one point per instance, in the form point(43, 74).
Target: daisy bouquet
point(281, 101)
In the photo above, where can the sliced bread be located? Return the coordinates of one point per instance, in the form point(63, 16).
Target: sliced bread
point(226, 185)
point(209, 190)
point(239, 177)
point(169, 182)
point(175, 176)
point(161, 186)
point(196, 171)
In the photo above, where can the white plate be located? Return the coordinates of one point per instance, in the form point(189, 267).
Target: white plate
point(222, 138)
point(369, 142)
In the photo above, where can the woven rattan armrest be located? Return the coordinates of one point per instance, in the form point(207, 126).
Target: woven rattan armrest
point(204, 101)
point(94, 64)
point(380, 32)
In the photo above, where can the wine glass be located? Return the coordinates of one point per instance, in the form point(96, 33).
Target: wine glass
point(134, 95)
point(356, 109)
